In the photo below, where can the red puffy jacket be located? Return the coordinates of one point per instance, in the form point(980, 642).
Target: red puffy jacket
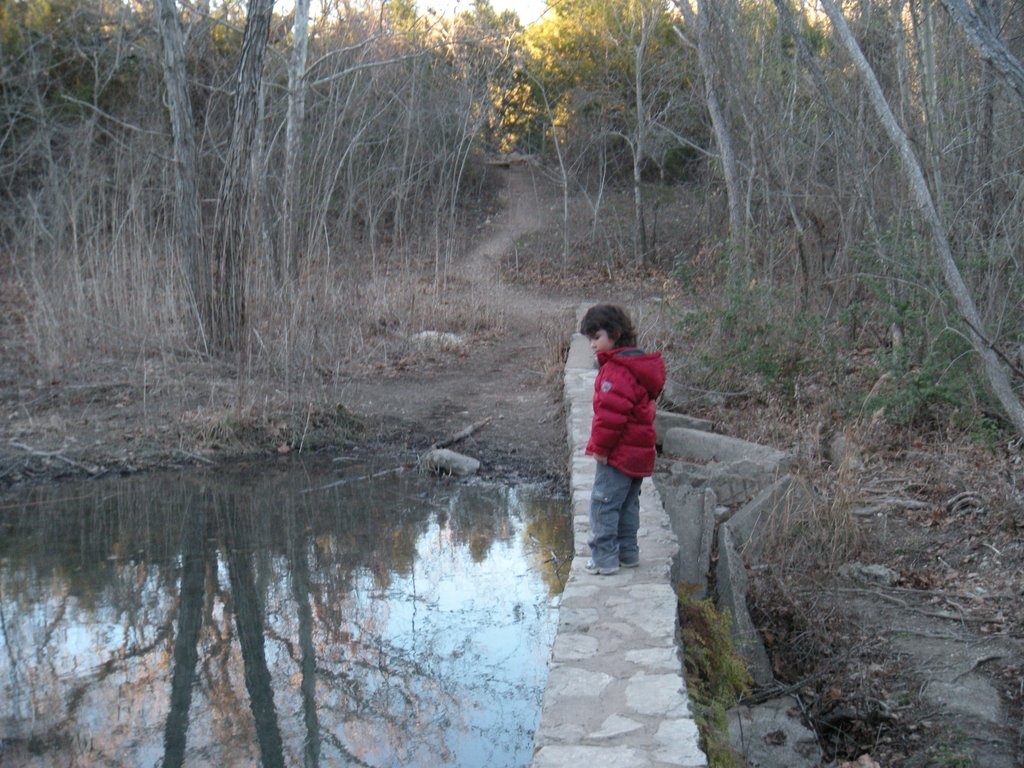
point(626, 387)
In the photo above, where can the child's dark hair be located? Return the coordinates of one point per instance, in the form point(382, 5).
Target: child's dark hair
point(611, 319)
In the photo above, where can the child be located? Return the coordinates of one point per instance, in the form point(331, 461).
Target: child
point(621, 436)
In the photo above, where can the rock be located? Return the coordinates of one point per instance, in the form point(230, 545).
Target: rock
point(841, 449)
point(769, 736)
point(445, 462)
point(439, 339)
point(864, 761)
point(863, 573)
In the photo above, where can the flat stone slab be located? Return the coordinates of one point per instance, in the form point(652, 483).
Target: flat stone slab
point(768, 736)
point(615, 696)
point(666, 420)
point(701, 446)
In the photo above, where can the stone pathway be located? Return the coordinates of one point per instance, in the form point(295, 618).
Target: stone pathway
point(615, 696)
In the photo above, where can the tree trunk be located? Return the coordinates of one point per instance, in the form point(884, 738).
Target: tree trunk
point(235, 231)
point(639, 143)
point(989, 46)
point(989, 11)
point(562, 170)
point(723, 133)
point(933, 115)
point(996, 373)
point(250, 624)
point(288, 262)
point(189, 215)
point(191, 594)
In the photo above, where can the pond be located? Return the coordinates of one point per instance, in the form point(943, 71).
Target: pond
point(288, 614)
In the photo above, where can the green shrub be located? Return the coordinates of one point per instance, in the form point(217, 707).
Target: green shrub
point(931, 373)
point(761, 331)
point(941, 383)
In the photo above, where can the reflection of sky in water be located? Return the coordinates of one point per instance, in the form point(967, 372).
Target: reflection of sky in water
point(425, 607)
point(476, 616)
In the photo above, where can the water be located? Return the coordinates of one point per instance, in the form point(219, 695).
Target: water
point(284, 615)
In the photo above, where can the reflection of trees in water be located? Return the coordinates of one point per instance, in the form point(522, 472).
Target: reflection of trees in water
point(477, 521)
point(188, 591)
point(549, 528)
point(48, 689)
point(298, 558)
point(194, 557)
point(249, 623)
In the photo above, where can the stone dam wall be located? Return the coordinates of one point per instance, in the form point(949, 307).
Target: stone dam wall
point(615, 696)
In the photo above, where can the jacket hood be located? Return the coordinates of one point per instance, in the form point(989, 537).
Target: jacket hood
point(647, 368)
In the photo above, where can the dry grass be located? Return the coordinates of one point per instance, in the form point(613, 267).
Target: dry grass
point(815, 538)
point(335, 321)
point(556, 349)
point(127, 317)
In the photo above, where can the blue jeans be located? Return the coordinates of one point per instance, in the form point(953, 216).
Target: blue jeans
point(614, 517)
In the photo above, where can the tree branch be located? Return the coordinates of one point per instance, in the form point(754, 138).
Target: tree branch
point(989, 46)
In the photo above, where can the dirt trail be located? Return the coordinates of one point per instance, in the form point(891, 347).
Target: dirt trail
point(526, 208)
point(509, 376)
point(529, 205)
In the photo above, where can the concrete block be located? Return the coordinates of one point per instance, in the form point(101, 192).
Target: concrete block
point(685, 507)
point(787, 496)
point(687, 472)
point(699, 446)
point(707, 540)
point(732, 597)
point(739, 481)
point(666, 420)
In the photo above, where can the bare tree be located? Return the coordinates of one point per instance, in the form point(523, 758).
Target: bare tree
point(644, 18)
point(293, 136)
point(189, 214)
point(235, 224)
point(995, 371)
point(991, 48)
point(217, 275)
point(989, 11)
point(721, 125)
point(562, 169)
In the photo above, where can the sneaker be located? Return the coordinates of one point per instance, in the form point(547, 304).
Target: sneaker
point(591, 567)
point(629, 565)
